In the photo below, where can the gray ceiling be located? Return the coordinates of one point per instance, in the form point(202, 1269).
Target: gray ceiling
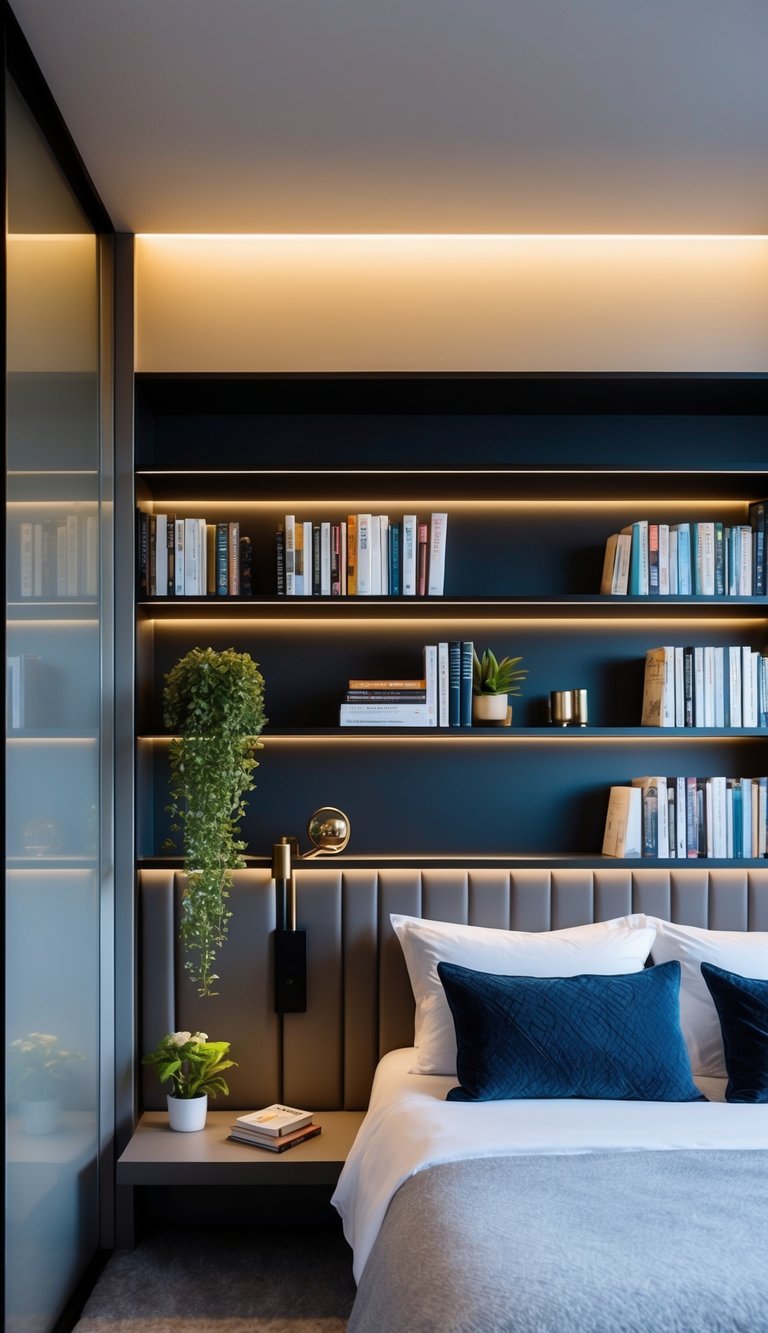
point(415, 115)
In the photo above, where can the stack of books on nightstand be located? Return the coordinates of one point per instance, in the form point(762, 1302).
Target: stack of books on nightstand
point(275, 1128)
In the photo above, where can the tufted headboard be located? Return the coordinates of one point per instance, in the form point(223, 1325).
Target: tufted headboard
point(359, 998)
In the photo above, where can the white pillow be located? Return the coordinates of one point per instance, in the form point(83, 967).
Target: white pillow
point(741, 951)
point(605, 948)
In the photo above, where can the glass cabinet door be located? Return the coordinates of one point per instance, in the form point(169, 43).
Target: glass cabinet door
point(53, 739)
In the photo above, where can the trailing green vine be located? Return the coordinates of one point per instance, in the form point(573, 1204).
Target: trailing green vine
point(214, 705)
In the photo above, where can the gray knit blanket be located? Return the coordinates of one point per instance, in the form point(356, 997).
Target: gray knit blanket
point(623, 1242)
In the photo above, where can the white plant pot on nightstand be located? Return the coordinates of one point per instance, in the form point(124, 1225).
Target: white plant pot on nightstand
point(187, 1113)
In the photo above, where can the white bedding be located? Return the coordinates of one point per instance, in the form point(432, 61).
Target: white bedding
point(410, 1126)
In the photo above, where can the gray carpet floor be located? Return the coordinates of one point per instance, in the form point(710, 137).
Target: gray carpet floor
point(225, 1280)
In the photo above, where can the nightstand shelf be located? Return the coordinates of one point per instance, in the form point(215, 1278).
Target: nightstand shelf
point(159, 1156)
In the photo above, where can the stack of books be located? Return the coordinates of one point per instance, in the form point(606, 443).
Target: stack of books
point(440, 697)
point(59, 558)
point(362, 555)
point(702, 559)
point(705, 686)
point(275, 1128)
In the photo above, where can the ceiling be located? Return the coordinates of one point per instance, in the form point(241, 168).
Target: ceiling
point(415, 115)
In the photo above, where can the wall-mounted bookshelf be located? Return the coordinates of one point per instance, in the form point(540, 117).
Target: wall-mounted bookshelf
point(534, 473)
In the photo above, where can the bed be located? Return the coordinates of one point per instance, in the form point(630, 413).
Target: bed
point(568, 1212)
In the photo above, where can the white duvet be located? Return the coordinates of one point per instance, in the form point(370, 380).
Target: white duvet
point(410, 1126)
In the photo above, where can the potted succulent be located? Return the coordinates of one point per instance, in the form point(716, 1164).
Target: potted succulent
point(492, 683)
point(38, 1065)
point(193, 1066)
point(214, 705)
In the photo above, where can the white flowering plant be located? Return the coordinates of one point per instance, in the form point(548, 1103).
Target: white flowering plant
point(36, 1064)
point(191, 1063)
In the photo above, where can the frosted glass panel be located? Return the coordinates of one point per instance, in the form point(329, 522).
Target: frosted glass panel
point(52, 735)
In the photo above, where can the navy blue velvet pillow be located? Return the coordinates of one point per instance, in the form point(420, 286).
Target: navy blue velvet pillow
point(613, 1038)
point(742, 1007)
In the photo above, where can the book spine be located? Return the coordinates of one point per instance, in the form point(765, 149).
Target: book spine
point(73, 558)
point(443, 687)
point(142, 544)
point(653, 559)
point(352, 588)
point(384, 553)
point(325, 559)
point(454, 683)
point(280, 561)
point(375, 543)
point(467, 663)
point(222, 559)
point(430, 675)
point(316, 569)
point(609, 564)
point(386, 696)
point(307, 548)
point(422, 559)
point(178, 561)
point(395, 559)
point(343, 558)
point(719, 560)
point(409, 554)
point(664, 574)
point(364, 555)
point(437, 547)
point(386, 715)
point(290, 555)
point(335, 560)
point(757, 519)
point(170, 537)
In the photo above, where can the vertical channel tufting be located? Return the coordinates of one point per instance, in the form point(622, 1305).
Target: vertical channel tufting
point(689, 897)
point(757, 907)
point(612, 894)
point(572, 898)
point(400, 892)
point(360, 1003)
point(360, 961)
point(243, 1011)
point(651, 892)
point(445, 895)
point(156, 972)
point(728, 906)
point(530, 900)
point(312, 1042)
point(489, 895)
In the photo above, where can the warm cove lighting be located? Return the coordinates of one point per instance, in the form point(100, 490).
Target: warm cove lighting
point(454, 237)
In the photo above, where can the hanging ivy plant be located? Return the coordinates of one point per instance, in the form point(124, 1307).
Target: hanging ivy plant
point(213, 702)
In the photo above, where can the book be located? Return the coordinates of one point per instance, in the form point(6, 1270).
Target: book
point(222, 559)
point(757, 520)
point(467, 664)
point(430, 675)
point(454, 683)
point(373, 714)
point(422, 558)
point(386, 696)
point(653, 559)
point(684, 580)
point(609, 564)
point(443, 684)
point(622, 835)
point(385, 683)
point(659, 688)
point(290, 555)
point(703, 542)
point(375, 588)
point(274, 1120)
point(655, 813)
point(364, 586)
point(664, 560)
point(281, 1144)
point(325, 559)
point(438, 529)
point(395, 559)
point(409, 554)
point(351, 555)
point(638, 563)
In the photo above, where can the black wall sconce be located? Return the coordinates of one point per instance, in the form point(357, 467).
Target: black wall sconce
point(329, 831)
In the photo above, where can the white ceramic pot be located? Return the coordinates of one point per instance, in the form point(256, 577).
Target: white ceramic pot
point(187, 1113)
point(40, 1117)
point(490, 709)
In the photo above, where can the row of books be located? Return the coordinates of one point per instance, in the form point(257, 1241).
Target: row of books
point(705, 686)
point(59, 557)
point(687, 817)
point(189, 557)
point(709, 559)
point(274, 1128)
point(362, 555)
point(440, 697)
point(26, 691)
